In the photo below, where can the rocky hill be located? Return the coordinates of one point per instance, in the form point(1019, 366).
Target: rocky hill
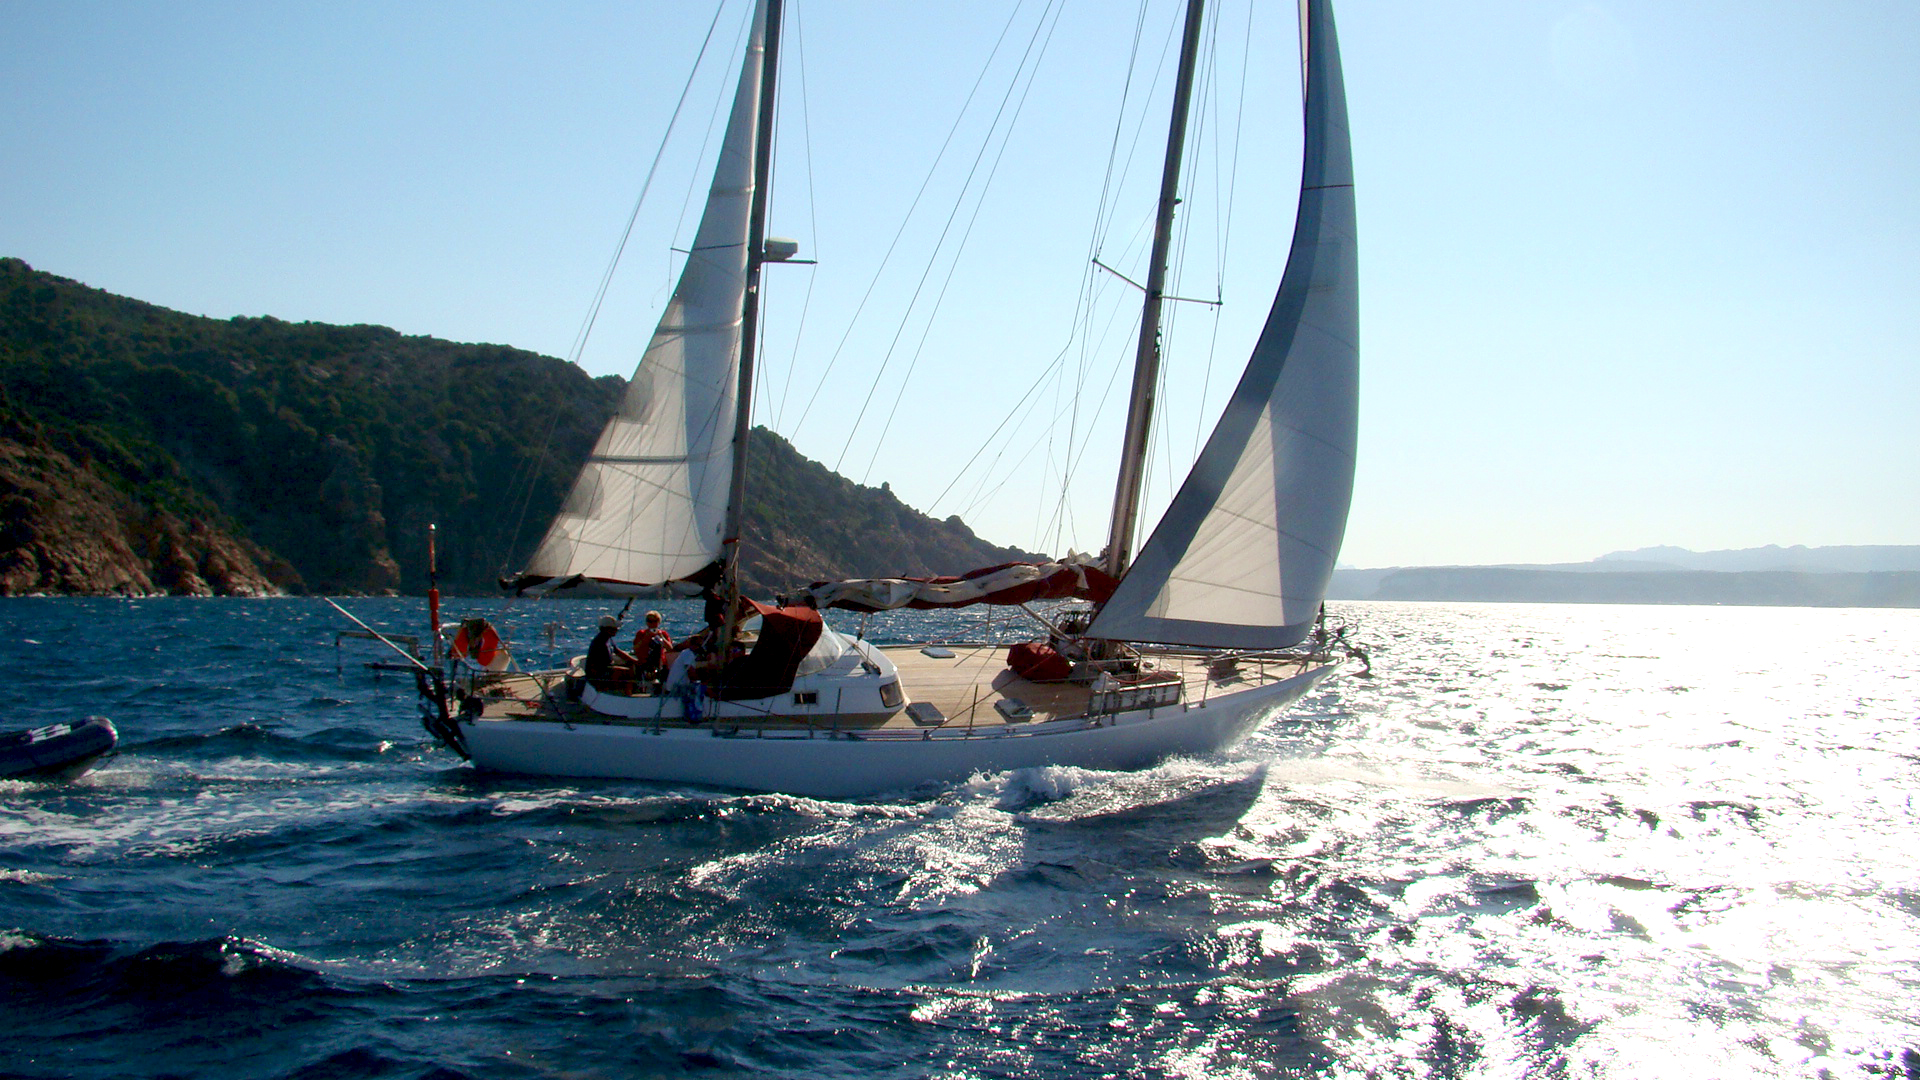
point(143, 450)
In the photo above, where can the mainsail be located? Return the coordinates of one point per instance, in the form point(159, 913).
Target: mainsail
point(1243, 555)
point(650, 505)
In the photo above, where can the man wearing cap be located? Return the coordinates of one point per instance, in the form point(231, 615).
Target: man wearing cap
point(603, 657)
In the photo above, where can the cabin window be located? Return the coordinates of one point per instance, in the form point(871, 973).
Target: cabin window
point(890, 695)
point(808, 697)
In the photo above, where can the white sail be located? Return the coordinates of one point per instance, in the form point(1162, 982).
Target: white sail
point(649, 506)
point(1243, 555)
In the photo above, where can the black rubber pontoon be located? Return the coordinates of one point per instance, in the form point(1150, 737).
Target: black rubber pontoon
point(57, 751)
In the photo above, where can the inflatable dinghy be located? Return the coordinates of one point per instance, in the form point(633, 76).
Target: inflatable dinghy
point(61, 751)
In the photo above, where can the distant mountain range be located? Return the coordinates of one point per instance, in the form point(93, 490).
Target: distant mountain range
point(145, 451)
point(1861, 576)
point(1881, 558)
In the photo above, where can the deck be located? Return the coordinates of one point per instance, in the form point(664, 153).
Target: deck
point(966, 689)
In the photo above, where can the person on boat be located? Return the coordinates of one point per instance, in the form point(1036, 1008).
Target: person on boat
point(605, 659)
point(650, 648)
point(692, 651)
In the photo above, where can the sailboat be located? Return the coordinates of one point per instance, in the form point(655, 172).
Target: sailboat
point(1187, 647)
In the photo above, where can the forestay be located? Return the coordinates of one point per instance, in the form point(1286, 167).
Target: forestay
point(1243, 555)
point(650, 504)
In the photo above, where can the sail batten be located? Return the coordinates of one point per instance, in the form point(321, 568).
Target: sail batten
point(1247, 546)
point(649, 507)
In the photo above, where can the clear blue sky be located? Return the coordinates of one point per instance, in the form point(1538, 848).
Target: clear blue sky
point(1633, 273)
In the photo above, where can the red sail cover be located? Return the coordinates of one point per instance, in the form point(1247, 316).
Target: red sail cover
point(1037, 661)
point(1007, 583)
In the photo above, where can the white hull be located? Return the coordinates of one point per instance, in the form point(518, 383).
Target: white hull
point(848, 765)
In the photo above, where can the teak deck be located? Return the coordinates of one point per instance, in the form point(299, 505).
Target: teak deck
point(964, 687)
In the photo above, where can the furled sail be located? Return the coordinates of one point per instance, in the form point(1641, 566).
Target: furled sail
point(1243, 555)
point(649, 506)
point(1074, 577)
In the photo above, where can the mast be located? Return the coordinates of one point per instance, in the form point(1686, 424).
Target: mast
point(1146, 363)
point(729, 588)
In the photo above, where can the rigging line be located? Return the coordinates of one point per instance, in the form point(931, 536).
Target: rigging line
point(1075, 452)
point(1160, 448)
point(1085, 296)
point(1086, 305)
point(932, 170)
point(1078, 455)
point(1139, 127)
point(721, 106)
point(1160, 451)
point(1022, 409)
point(982, 493)
point(986, 142)
point(960, 248)
point(1133, 149)
point(1039, 381)
point(1088, 297)
point(1226, 227)
point(1119, 125)
point(1119, 313)
point(813, 218)
point(1005, 478)
point(606, 279)
point(1089, 349)
point(1051, 372)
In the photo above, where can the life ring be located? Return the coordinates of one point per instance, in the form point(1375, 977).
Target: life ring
point(479, 643)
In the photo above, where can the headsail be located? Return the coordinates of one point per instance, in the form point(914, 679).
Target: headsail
point(1243, 555)
point(650, 505)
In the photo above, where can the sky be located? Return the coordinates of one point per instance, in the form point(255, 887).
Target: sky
point(1632, 273)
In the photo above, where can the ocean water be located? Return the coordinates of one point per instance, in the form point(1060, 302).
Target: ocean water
point(1537, 841)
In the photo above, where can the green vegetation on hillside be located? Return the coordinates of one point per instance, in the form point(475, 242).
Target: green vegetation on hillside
point(331, 446)
point(807, 523)
point(325, 451)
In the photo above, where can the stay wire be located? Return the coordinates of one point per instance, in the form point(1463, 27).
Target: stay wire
point(524, 477)
point(606, 278)
point(1086, 298)
point(1226, 226)
point(932, 171)
point(986, 142)
point(1080, 445)
point(960, 247)
point(1102, 225)
point(813, 218)
point(1160, 446)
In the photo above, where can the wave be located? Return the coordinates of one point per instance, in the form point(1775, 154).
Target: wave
point(254, 739)
point(62, 975)
point(217, 1006)
point(1182, 795)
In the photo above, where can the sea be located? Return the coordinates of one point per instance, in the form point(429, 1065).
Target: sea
point(1535, 841)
